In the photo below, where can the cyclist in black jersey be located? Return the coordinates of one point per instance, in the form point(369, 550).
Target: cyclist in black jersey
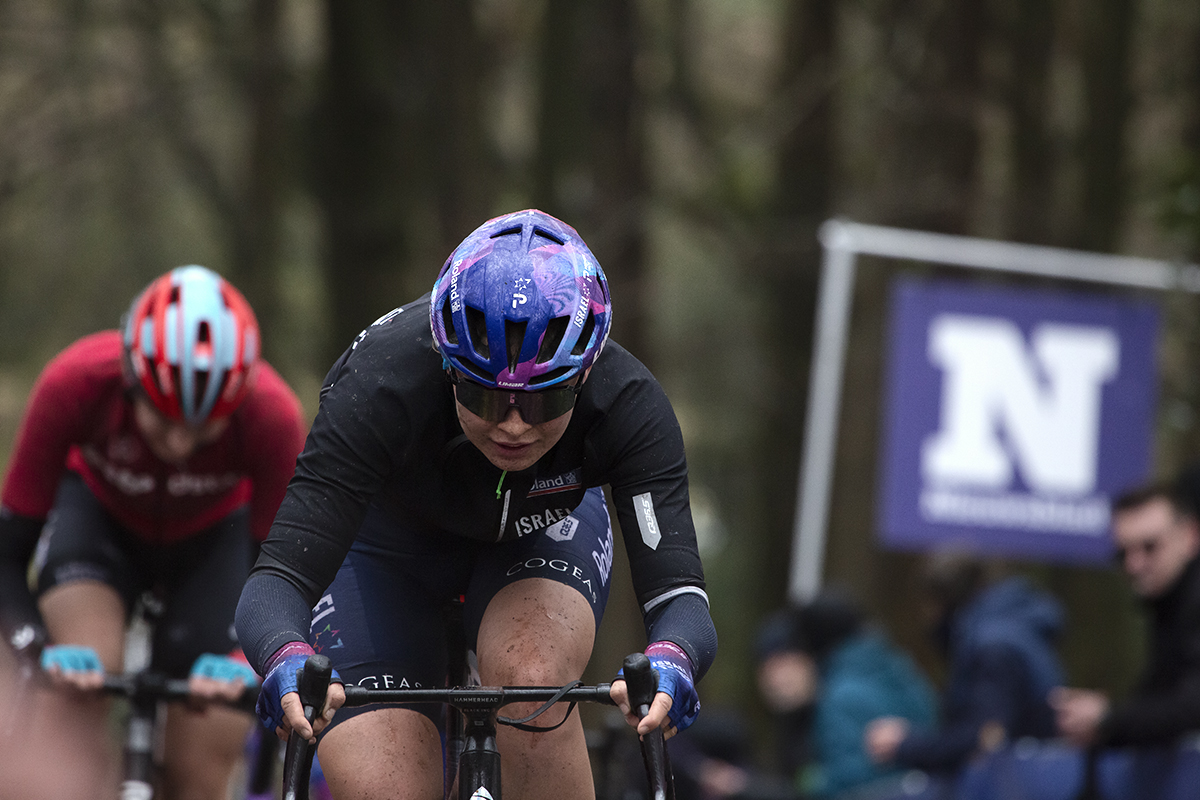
point(459, 450)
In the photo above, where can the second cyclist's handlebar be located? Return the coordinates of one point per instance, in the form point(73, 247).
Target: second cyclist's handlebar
point(149, 685)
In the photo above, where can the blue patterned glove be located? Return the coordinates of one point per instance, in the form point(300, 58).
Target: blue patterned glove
point(281, 679)
point(70, 658)
point(223, 668)
point(675, 678)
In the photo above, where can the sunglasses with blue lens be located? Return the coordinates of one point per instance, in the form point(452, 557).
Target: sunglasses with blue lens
point(493, 405)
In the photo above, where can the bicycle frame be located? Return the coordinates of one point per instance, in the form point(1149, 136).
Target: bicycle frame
point(478, 767)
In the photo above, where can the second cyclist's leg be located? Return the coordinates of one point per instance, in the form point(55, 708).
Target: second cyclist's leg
point(202, 577)
point(538, 632)
point(205, 748)
point(84, 590)
point(85, 614)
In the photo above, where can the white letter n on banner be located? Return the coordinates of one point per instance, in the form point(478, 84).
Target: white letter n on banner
point(1042, 402)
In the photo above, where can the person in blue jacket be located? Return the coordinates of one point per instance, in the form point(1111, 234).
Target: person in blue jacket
point(862, 676)
point(999, 635)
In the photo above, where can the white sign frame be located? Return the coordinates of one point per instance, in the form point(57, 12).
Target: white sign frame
point(842, 241)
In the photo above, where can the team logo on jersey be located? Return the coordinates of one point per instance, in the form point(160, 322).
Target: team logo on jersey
point(558, 483)
point(563, 530)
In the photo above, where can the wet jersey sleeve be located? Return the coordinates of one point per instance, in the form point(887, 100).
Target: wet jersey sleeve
point(359, 430)
point(648, 478)
point(641, 442)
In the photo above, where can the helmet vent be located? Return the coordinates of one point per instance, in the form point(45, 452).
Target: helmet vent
point(555, 330)
point(514, 337)
point(545, 234)
point(199, 392)
point(477, 332)
point(507, 232)
point(448, 322)
point(467, 366)
point(585, 335)
point(549, 377)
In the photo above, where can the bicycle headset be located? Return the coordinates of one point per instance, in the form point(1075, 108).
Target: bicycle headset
point(521, 305)
point(191, 343)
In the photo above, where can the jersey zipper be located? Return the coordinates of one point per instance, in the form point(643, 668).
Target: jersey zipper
point(504, 510)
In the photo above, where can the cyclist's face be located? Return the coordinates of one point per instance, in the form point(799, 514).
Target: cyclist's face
point(173, 442)
point(512, 444)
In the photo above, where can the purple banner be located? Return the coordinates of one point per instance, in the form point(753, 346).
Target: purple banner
point(1013, 416)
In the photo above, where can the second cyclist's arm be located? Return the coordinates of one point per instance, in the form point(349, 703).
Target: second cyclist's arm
point(19, 618)
point(62, 408)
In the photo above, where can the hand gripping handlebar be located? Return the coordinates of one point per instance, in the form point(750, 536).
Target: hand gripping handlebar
point(313, 684)
point(642, 682)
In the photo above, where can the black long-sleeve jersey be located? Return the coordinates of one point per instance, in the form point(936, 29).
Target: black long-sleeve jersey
point(387, 433)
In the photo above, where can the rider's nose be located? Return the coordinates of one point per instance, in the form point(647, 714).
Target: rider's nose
point(513, 422)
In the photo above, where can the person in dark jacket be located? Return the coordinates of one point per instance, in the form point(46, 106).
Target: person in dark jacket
point(999, 635)
point(1158, 546)
point(786, 676)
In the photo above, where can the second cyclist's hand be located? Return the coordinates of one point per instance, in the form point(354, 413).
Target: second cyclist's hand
point(279, 706)
point(215, 677)
point(73, 665)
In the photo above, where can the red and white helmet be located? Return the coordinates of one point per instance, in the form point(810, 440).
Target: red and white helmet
point(191, 343)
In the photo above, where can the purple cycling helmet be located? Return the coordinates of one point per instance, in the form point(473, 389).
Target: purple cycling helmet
point(521, 304)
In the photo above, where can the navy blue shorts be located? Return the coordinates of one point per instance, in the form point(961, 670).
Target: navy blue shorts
point(383, 622)
point(197, 581)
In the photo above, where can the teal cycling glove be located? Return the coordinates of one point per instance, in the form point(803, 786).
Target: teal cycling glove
point(223, 668)
point(70, 658)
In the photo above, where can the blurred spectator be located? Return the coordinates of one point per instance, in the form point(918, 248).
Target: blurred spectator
point(787, 684)
point(862, 676)
point(826, 672)
point(1157, 544)
point(999, 637)
point(715, 760)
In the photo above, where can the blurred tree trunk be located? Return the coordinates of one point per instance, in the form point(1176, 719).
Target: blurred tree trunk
point(1103, 644)
point(589, 168)
point(397, 152)
point(1029, 36)
point(256, 243)
point(248, 207)
point(780, 268)
point(1107, 34)
point(935, 53)
point(789, 269)
point(930, 168)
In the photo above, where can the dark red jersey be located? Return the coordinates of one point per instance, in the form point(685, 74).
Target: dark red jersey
point(79, 417)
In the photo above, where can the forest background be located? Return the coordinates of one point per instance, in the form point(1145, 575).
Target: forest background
point(326, 155)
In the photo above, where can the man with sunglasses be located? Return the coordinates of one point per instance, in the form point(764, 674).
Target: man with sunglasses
point(459, 451)
point(1157, 544)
